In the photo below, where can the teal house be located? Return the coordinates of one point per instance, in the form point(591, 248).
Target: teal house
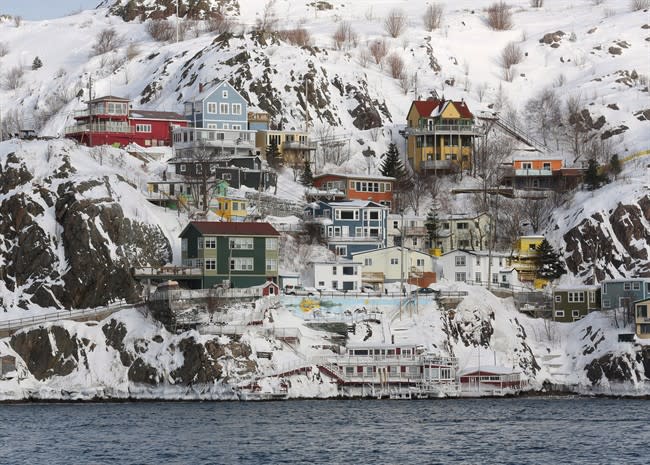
point(243, 253)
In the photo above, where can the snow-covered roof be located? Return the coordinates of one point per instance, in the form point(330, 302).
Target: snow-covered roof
point(383, 249)
point(355, 176)
point(481, 253)
point(488, 369)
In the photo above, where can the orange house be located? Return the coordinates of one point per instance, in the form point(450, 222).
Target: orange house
point(357, 187)
point(541, 165)
point(542, 174)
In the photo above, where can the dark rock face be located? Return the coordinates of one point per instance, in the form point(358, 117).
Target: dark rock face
point(200, 365)
point(130, 10)
point(100, 245)
point(592, 254)
point(141, 372)
point(552, 38)
point(115, 333)
point(43, 360)
point(366, 114)
point(617, 368)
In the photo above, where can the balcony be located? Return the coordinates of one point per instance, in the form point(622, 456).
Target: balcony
point(294, 145)
point(531, 172)
point(122, 128)
point(442, 129)
point(336, 239)
point(415, 231)
point(437, 164)
point(223, 138)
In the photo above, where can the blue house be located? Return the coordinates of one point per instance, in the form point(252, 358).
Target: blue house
point(617, 293)
point(220, 107)
point(350, 226)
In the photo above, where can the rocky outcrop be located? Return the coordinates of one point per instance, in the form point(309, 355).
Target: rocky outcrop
point(614, 368)
point(85, 260)
point(47, 352)
point(131, 10)
point(610, 245)
point(200, 362)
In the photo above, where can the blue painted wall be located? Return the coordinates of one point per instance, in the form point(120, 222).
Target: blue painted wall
point(221, 100)
point(611, 292)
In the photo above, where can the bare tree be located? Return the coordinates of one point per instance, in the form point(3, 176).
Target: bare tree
point(574, 125)
point(544, 114)
point(201, 176)
point(161, 30)
point(537, 3)
point(499, 16)
point(345, 36)
point(395, 23)
point(4, 49)
point(433, 16)
point(536, 212)
point(417, 190)
point(268, 22)
point(364, 57)
point(13, 78)
point(636, 5)
point(395, 65)
point(481, 89)
point(218, 23)
point(406, 83)
point(107, 40)
point(297, 36)
point(492, 151)
point(512, 54)
point(378, 50)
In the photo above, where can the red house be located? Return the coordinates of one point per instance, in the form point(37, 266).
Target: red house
point(377, 189)
point(109, 120)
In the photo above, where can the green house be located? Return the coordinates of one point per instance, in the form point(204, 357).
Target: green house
point(573, 303)
point(243, 253)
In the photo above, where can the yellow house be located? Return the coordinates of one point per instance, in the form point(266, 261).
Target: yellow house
point(440, 135)
point(228, 206)
point(523, 259)
point(642, 318)
point(294, 146)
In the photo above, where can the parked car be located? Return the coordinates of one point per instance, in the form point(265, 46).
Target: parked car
point(425, 291)
point(292, 289)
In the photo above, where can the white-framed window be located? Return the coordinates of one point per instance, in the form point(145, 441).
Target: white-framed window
point(367, 262)
point(183, 168)
point(606, 303)
point(627, 286)
point(210, 264)
point(271, 265)
point(241, 264)
point(461, 276)
point(575, 313)
point(477, 277)
point(226, 126)
point(558, 298)
point(211, 108)
point(226, 176)
point(223, 109)
point(335, 284)
point(462, 225)
point(527, 166)
point(559, 313)
point(495, 278)
point(394, 261)
point(460, 260)
point(271, 243)
point(419, 262)
point(212, 125)
point(236, 127)
point(183, 245)
point(236, 109)
point(341, 250)
point(241, 243)
point(142, 128)
point(576, 297)
point(199, 242)
point(636, 285)
point(224, 94)
point(198, 168)
point(334, 270)
point(210, 242)
point(351, 215)
point(604, 288)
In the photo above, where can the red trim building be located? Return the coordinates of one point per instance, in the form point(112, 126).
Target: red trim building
point(377, 189)
point(109, 120)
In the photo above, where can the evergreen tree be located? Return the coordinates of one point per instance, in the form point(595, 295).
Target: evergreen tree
point(615, 165)
point(37, 63)
point(392, 165)
point(432, 224)
point(592, 177)
point(307, 177)
point(549, 265)
point(273, 155)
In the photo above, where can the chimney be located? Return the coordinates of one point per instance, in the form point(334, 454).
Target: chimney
point(200, 87)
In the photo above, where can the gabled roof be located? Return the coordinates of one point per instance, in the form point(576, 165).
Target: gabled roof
point(433, 108)
point(163, 115)
point(378, 177)
point(111, 98)
point(384, 249)
point(216, 228)
point(200, 96)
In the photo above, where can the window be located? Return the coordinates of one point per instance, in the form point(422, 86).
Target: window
point(495, 278)
point(415, 241)
point(559, 313)
point(241, 243)
point(445, 225)
point(321, 283)
point(271, 243)
point(395, 224)
point(212, 108)
point(236, 127)
point(604, 288)
point(576, 297)
point(636, 285)
point(461, 277)
point(142, 128)
point(347, 214)
point(236, 109)
point(460, 260)
point(223, 109)
point(210, 242)
point(420, 262)
point(575, 313)
point(546, 167)
point(271, 265)
point(558, 298)
point(367, 262)
point(463, 244)
point(335, 284)
point(627, 286)
point(642, 311)
point(334, 270)
point(183, 168)
point(371, 215)
point(462, 225)
point(241, 264)
point(477, 277)
point(210, 264)
point(200, 243)
point(606, 303)
point(527, 166)
point(224, 94)
point(644, 329)
point(183, 245)
point(226, 176)
point(394, 261)
point(198, 168)
point(341, 250)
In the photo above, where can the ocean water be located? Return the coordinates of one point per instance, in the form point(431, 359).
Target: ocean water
point(464, 431)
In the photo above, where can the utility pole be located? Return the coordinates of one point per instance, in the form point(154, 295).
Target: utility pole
point(90, 110)
point(401, 263)
point(178, 19)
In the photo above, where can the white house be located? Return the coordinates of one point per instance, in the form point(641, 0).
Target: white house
point(415, 232)
point(384, 265)
point(463, 231)
point(342, 274)
point(473, 265)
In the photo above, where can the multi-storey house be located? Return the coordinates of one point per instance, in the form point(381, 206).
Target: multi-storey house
point(393, 264)
point(642, 318)
point(477, 266)
point(410, 229)
point(377, 189)
point(462, 231)
point(622, 293)
point(294, 147)
point(541, 174)
point(440, 136)
point(350, 226)
point(341, 274)
point(575, 302)
point(524, 258)
point(109, 120)
point(243, 254)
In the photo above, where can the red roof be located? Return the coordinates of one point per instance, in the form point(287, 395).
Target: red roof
point(223, 228)
point(163, 115)
point(426, 107)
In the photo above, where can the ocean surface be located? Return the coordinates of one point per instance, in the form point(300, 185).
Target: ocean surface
point(481, 431)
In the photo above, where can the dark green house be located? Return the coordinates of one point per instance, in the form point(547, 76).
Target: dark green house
point(245, 254)
point(573, 303)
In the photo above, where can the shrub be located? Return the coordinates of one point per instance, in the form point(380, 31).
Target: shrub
point(344, 36)
point(37, 63)
point(218, 23)
point(18, 20)
point(4, 49)
point(433, 16)
point(636, 5)
point(511, 55)
point(107, 41)
point(395, 65)
point(378, 50)
point(13, 78)
point(499, 16)
point(537, 3)
point(395, 23)
point(161, 30)
point(298, 36)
